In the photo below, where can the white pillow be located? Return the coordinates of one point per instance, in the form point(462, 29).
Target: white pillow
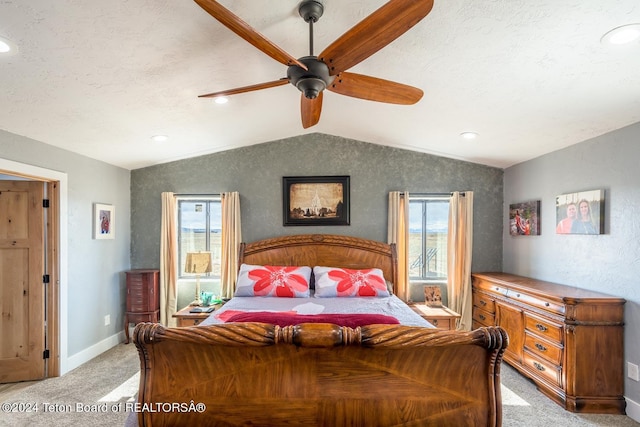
point(273, 281)
point(344, 282)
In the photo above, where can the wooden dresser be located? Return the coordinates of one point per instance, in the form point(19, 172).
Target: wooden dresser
point(143, 298)
point(569, 341)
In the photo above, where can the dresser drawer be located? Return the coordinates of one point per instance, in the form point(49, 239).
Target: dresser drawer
point(483, 301)
point(488, 286)
point(543, 348)
point(534, 301)
point(544, 328)
point(483, 317)
point(543, 369)
point(141, 301)
point(189, 322)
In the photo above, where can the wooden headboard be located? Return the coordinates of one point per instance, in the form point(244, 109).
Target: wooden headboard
point(327, 250)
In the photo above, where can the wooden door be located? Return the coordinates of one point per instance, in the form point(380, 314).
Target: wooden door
point(22, 294)
point(512, 320)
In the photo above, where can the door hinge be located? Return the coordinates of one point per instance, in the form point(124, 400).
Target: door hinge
point(45, 203)
point(45, 354)
point(45, 279)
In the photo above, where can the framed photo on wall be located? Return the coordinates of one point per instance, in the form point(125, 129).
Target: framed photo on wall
point(524, 218)
point(580, 213)
point(315, 200)
point(104, 221)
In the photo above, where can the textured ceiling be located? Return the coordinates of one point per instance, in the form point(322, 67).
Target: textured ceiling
point(101, 77)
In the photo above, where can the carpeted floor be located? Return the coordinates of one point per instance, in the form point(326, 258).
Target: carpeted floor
point(96, 394)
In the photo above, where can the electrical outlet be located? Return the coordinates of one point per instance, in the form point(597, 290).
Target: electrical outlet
point(107, 322)
point(632, 371)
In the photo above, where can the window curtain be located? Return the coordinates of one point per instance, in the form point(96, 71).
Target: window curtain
point(398, 233)
point(168, 260)
point(231, 239)
point(459, 244)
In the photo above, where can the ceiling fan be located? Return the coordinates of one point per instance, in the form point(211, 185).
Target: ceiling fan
point(313, 74)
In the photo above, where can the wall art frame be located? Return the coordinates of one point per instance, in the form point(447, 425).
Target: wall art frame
point(316, 200)
point(104, 221)
point(581, 212)
point(524, 218)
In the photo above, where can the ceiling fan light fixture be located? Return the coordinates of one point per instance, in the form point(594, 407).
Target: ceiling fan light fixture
point(624, 34)
point(469, 135)
point(311, 87)
point(221, 100)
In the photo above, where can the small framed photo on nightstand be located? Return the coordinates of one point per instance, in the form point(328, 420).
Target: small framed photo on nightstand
point(432, 296)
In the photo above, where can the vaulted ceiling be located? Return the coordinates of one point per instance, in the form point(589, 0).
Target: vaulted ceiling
point(100, 78)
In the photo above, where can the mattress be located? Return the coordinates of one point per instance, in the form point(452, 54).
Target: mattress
point(388, 306)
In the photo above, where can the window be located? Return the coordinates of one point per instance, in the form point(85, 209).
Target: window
point(199, 229)
point(428, 227)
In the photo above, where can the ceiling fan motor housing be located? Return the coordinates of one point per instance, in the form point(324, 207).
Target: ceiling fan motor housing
point(312, 81)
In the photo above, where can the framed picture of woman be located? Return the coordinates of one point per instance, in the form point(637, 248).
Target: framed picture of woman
point(580, 213)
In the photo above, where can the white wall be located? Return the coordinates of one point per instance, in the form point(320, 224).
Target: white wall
point(92, 279)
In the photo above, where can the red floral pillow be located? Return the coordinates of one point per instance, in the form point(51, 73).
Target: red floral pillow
point(344, 282)
point(273, 281)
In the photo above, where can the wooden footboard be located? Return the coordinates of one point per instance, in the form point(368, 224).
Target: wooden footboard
point(239, 374)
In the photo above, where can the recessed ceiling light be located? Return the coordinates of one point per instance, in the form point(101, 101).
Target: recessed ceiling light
point(6, 46)
point(469, 135)
point(622, 35)
point(221, 100)
point(159, 138)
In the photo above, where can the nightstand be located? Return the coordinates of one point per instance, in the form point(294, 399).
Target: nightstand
point(440, 317)
point(192, 319)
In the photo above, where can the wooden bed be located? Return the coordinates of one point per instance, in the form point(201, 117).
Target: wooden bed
point(319, 374)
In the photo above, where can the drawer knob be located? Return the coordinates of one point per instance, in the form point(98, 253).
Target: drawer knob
point(546, 304)
point(541, 328)
point(481, 316)
point(538, 366)
point(483, 302)
point(541, 347)
point(518, 295)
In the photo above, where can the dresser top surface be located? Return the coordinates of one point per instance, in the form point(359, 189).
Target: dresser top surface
point(548, 289)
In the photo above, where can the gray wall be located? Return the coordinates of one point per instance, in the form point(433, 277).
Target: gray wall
point(95, 268)
point(607, 263)
point(256, 173)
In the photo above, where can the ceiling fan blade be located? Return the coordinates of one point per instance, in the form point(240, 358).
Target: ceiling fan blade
point(375, 89)
point(310, 110)
point(373, 33)
point(267, 85)
point(241, 28)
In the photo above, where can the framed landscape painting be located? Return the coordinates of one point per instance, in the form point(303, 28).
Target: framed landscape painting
point(580, 213)
point(524, 218)
point(315, 200)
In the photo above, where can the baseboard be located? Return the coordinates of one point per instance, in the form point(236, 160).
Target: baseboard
point(95, 350)
point(633, 409)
